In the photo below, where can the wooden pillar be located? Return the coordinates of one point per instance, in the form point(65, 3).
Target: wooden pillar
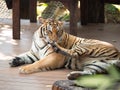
point(33, 11)
point(101, 13)
point(96, 11)
point(16, 19)
point(73, 5)
point(84, 12)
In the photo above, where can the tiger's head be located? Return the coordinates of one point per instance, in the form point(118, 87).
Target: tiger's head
point(54, 30)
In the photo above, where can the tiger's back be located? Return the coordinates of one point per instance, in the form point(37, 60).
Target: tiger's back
point(95, 48)
point(84, 51)
point(87, 51)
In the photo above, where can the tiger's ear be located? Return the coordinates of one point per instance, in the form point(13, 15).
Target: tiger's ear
point(41, 20)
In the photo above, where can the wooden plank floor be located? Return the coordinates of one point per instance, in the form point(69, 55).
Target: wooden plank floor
point(10, 79)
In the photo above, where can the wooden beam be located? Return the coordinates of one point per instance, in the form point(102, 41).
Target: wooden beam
point(16, 19)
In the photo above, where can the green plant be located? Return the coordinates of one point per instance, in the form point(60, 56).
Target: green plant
point(112, 13)
point(111, 8)
point(101, 82)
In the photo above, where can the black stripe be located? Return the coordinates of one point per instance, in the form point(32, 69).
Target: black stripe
point(49, 68)
point(46, 50)
point(67, 39)
point(41, 31)
point(73, 43)
point(106, 51)
point(66, 60)
point(102, 69)
point(34, 55)
point(103, 61)
point(36, 46)
point(80, 51)
point(95, 71)
point(46, 27)
point(64, 53)
point(76, 43)
point(91, 53)
point(76, 66)
point(50, 53)
point(115, 54)
point(31, 59)
point(69, 64)
point(78, 54)
point(44, 46)
point(41, 47)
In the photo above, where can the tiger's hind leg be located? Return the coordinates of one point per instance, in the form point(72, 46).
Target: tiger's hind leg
point(50, 62)
point(96, 67)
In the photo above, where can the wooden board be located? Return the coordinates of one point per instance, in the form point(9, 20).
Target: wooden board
point(10, 79)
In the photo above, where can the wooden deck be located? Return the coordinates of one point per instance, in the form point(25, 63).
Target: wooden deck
point(10, 79)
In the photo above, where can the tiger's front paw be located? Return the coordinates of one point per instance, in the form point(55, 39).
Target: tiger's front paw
point(27, 69)
point(16, 62)
point(55, 47)
point(74, 75)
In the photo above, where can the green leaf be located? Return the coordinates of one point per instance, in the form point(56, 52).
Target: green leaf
point(114, 74)
point(93, 81)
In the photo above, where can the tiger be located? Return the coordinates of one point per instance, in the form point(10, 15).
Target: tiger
point(40, 57)
point(85, 56)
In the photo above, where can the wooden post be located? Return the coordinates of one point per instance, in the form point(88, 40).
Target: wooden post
point(84, 12)
point(102, 14)
point(73, 5)
point(96, 11)
point(32, 10)
point(16, 19)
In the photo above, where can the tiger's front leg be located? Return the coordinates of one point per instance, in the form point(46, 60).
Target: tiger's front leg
point(50, 62)
point(64, 51)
